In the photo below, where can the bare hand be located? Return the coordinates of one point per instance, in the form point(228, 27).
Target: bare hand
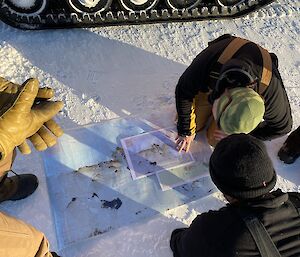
point(184, 142)
point(219, 134)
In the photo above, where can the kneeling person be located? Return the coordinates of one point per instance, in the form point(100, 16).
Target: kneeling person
point(242, 170)
point(239, 82)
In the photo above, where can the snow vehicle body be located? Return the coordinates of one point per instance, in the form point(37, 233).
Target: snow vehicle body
point(46, 14)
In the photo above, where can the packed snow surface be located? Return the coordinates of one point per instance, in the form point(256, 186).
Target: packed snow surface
point(104, 73)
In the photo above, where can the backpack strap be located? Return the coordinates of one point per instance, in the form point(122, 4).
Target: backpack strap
point(267, 70)
point(260, 235)
point(233, 47)
point(294, 197)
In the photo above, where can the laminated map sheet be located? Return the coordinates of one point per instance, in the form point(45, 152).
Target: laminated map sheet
point(174, 177)
point(91, 188)
point(153, 152)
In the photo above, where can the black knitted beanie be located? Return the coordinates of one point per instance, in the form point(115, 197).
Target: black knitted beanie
point(240, 167)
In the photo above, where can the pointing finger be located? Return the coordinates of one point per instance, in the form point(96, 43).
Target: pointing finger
point(188, 146)
point(182, 146)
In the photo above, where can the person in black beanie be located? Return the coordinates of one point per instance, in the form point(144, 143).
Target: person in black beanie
point(242, 170)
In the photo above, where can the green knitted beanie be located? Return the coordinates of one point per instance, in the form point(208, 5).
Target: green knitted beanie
point(239, 110)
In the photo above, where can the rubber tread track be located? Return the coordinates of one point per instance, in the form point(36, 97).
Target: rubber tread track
point(53, 18)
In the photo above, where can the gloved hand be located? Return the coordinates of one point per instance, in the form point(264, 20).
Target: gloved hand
point(23, 112)
point(42, 139)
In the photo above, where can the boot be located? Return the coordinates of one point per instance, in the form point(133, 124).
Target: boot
point(17, 187)
point(54, 254)
point(290, 150)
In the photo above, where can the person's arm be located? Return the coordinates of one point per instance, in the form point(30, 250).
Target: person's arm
point(278, 118)
point(195, 79)
point(268, 131)
point(191, 241)
point(186, 90)
point(21, 239)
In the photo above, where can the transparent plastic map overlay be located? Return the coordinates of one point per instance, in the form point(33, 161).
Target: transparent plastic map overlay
point(153, 152)
point(91, 187)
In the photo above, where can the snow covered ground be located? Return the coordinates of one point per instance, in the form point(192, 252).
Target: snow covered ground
point(112, 72)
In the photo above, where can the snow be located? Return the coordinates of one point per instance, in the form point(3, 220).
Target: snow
point(104, 73)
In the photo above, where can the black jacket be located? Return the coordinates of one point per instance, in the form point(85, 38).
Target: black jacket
point(277, 117)
point(223, 233)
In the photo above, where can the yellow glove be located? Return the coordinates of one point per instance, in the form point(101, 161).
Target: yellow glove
point(21, 117)
point(9, 87)
point(43, 139)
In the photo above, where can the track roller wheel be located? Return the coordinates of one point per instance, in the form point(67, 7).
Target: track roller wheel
point(30, 7)
point(89, 6)
point(183, 4)
point(138, 5)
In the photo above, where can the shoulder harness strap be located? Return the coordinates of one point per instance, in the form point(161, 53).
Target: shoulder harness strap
point(295, 200)
point(234, 46)
point(260, 235)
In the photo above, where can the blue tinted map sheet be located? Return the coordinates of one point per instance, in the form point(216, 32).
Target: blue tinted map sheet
point(91, 188)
